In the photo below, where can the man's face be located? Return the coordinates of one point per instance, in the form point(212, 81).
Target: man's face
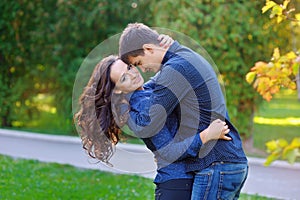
point(149, 62)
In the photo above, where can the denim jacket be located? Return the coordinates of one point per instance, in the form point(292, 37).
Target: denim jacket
point(168, 153)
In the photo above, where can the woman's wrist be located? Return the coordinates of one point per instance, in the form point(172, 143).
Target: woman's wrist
point(203, 135)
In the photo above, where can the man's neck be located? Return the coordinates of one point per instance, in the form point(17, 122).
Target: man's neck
point(162, 53)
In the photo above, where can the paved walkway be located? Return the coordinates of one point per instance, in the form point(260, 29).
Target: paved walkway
point(280, 180)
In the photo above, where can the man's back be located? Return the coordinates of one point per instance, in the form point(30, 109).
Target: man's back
point(194, 83)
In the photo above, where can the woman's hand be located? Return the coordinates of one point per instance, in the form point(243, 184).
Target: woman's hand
point(216, 130)
point(165, 41)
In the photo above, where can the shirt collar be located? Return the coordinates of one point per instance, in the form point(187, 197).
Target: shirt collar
point(171, 52)
point(137, 94)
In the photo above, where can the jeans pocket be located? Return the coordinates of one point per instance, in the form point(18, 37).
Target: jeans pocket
point(231, 183)
point(202, 184)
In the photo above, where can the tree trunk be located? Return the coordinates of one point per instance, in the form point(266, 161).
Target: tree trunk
point(5, 122)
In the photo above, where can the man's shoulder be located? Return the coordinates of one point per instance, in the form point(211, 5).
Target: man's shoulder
point(176, 59)
point(179, 62)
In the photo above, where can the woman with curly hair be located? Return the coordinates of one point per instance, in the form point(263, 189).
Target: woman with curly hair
point(117, 91)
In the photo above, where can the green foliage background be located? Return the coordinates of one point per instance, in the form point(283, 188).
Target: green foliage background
point(43, 44)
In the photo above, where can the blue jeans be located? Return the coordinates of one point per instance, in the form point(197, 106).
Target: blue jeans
point(180, 189)
point(220, 181)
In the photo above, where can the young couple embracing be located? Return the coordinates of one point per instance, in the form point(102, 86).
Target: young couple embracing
point(180, 114)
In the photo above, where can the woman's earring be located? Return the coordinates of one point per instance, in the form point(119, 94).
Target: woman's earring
point(117, 91)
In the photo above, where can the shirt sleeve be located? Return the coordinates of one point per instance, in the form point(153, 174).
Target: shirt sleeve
point(170, 87)
point(176, 151)
point(175, 148)
point(167, 147)
point(151, 83)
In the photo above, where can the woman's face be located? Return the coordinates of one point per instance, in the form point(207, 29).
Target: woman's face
point(127, 78)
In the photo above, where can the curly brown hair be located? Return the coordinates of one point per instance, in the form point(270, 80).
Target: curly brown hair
point(98, 123)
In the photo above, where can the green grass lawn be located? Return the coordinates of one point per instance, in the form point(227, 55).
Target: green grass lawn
point(279, 118)
point(29, 179)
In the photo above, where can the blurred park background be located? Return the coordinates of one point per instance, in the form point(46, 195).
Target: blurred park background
point(43, 43)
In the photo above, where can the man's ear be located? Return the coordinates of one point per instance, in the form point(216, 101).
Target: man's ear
point(149, 47)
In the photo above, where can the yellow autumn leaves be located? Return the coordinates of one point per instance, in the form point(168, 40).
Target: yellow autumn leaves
point(280, 71)
point(268, 78)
